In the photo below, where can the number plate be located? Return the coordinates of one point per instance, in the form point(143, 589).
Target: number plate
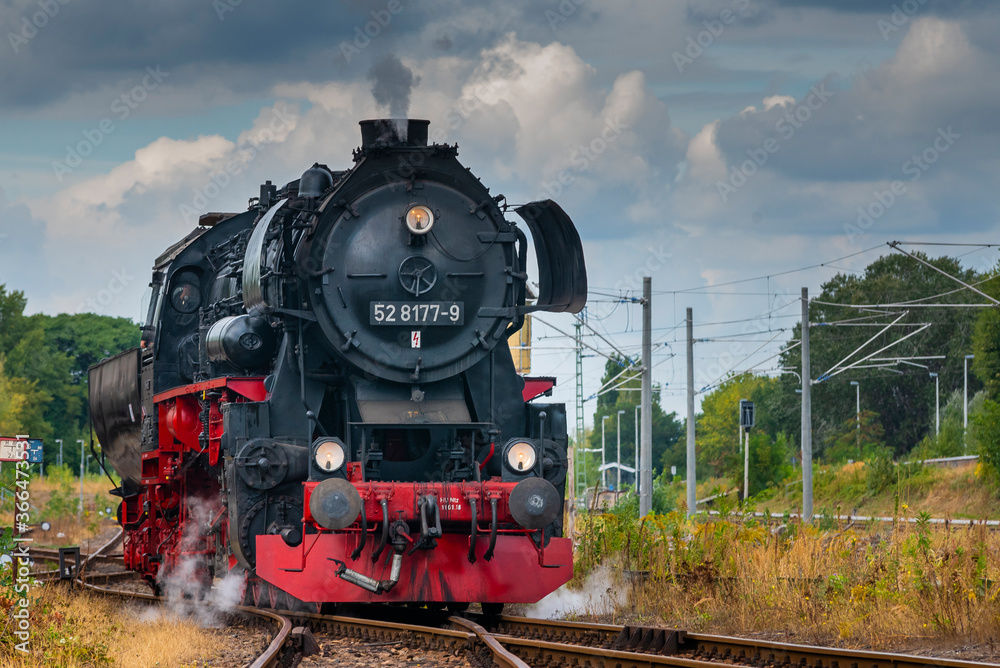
point(416, 313)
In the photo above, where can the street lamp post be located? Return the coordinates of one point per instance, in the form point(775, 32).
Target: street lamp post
point(637, 409)
point(937, 403)
point(618, 481)
point(857, 413)
point(80, 510)
point(965, 419)
point(59, 441)
point(603, 448)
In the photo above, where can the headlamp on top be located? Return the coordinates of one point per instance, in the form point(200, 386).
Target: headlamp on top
point(329, 454)
point(520, 456)
point(419, 219)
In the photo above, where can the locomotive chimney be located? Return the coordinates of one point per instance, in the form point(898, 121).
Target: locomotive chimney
point(393, 132)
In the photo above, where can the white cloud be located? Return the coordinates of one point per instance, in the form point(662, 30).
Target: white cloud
point(778, 101)
point(524, 114)
point(931, 47)
point(705, 161)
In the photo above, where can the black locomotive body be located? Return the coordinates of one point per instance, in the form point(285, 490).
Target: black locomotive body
point(325, 401)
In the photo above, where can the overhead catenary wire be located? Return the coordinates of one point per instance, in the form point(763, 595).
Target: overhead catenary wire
point(859, 348)
point(602, 338)
point(583, 343)
point(767, 276)
point(740, 362)
point(904, 305)
point(895, 246)
point(868, 357)
point(749, 369)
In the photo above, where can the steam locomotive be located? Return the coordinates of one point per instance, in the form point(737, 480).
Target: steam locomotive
point(324, 402)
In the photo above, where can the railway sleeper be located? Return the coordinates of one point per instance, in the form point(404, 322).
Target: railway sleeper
point(664, 642)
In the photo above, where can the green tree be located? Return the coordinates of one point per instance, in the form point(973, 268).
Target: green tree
point(986, 426)
point(46, 360)
point(717, 430)
point(902, 395)
point(12, 403)
point(859, 438)
point(986, 341)
point(770, 460)
point(667, 429)
point(718, 438)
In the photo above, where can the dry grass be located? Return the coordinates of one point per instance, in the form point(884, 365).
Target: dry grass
point(964, 491)
point(84, 630)
point(55, 499)
point(961, 492)
point(894, 590)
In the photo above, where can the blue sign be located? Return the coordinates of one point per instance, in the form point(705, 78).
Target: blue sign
point(35, 450)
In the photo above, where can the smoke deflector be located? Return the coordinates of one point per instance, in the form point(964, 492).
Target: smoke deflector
point(562, 272)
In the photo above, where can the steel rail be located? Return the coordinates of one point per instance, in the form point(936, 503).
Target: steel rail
point(52, 554)
point(428, 637)
point(546, 653)
point(272, 657)
point(700, 647)
point(501, 655)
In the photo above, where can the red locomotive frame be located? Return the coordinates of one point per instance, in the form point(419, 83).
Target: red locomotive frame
point(165, 530)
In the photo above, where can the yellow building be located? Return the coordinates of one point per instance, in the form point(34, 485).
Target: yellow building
point(520, 347)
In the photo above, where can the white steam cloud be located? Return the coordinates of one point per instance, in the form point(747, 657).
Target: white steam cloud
point(602, 592)
point(184, 587)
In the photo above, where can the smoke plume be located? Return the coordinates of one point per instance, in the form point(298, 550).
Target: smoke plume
point(184, 585)
point(601, 594)
point(392, 83)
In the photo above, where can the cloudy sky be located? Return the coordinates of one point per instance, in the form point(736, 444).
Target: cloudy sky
point(699, 142)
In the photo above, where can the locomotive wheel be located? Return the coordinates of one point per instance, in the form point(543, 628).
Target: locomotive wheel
point(260, 594)
point(257, 517)
point(457, 607)
point(276, 597)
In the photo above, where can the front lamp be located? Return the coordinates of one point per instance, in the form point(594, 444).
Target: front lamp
point(419, 219)
point(329, 454)
point(520, 456)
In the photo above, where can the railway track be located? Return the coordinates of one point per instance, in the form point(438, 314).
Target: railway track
point(518, 642)
point(574, 643)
